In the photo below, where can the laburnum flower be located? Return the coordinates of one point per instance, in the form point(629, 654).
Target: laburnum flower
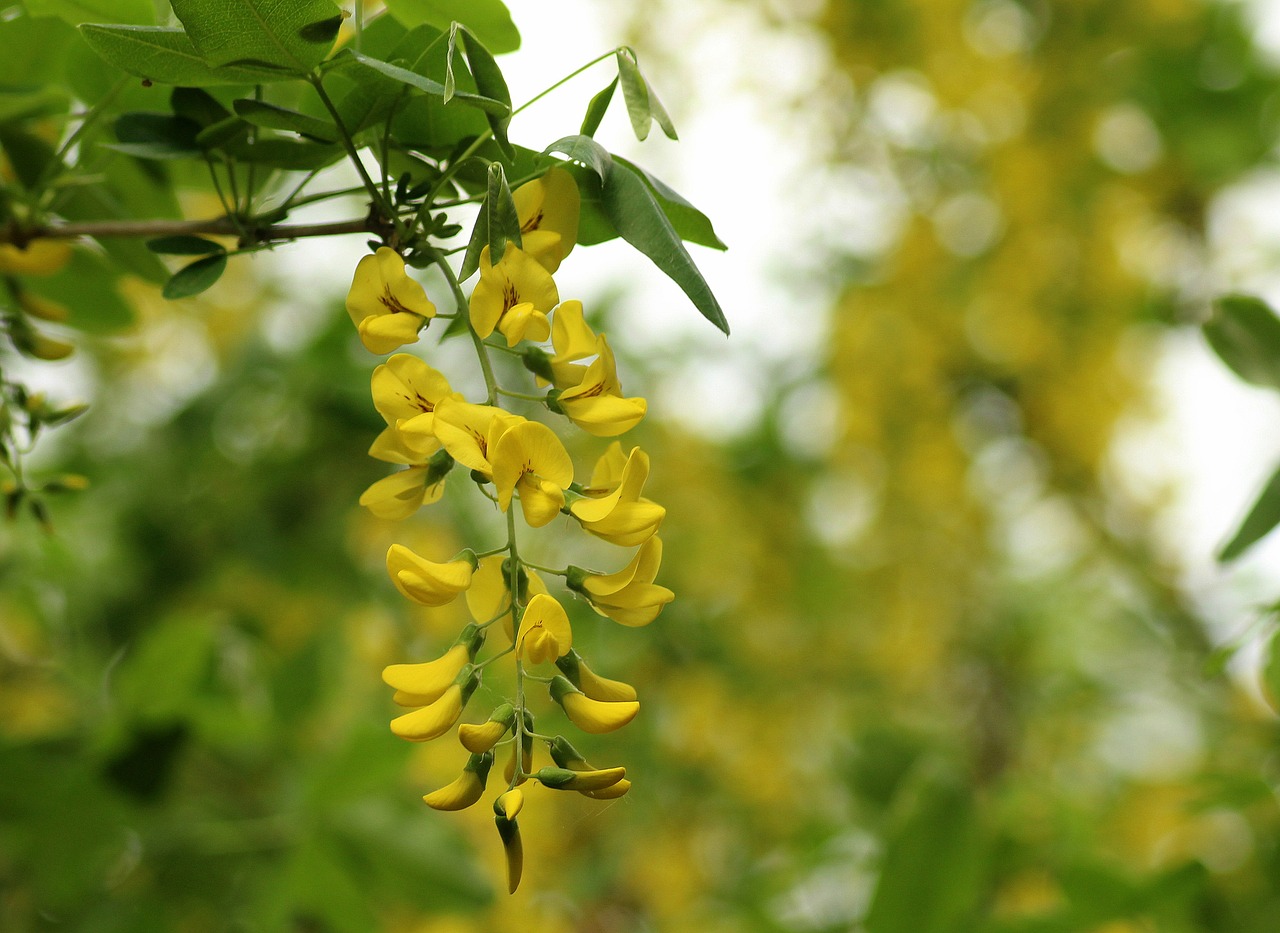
point(466, 788)
point(423, 683)
point(437, 718)
point(427, 582)
point(471, 432)
point(596, 404)
point(613, 508)
point(399, 495)
point(591, 683)
point(512, 847)
point(572, 339)
point(481, 737)
point(544, 631)
point(386, 305)
point(548, 209)
point(570, 759)
point(406, 391)
point(530, 459)
point(513, 297)
point(629, 596)
point(490, 593)
point(594, 716)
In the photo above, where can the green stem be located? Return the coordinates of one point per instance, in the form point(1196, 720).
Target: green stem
point(567, 78)
point(541, 569)
point(521, 395)
point(349, 144)
point(51, 170)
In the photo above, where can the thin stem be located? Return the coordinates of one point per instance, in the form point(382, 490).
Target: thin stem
point(521, 395)
point(294, 201)
point(541, 569)
point(348, 144)
point(217, 186)
point(566, 79)
point(90, 117)
point(217, 226)
point(251, 181)
point(501, 654)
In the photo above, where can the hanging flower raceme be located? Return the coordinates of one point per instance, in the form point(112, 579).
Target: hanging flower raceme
point(387, 307)
point(430, 429)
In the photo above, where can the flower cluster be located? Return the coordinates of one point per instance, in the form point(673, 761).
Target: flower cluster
point(515, 309)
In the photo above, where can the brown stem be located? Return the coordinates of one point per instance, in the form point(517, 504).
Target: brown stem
point(219, 226)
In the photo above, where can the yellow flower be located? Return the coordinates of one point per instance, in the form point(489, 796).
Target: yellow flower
point(406, 391)
point(466, 788)
point(510, 803)
point(513, 848)
point(387, 307)
point(548, 209)
point(590, 715)
point(425, 581)
point(437, 718)
point(490, 592)
point(630, 595)
point(513, 297)
point(595, 403)
point(530, 458)
point(399, 495)
point(423, 683)
point(482, 737)
point(470, 432)
point(544, 631)
point(579, 780)
point(569, 758)
point(591, 683)
point(572, 340)
point(41, 257)
point(621, 516)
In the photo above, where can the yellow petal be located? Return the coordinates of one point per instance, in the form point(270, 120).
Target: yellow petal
point(431, 721)
point(469, 432)
point(611, 792)
point(510, 803)
point(386, 332)
point(524, 322)
point(515, 280)
point(570, 335)
point(529, 448)
point(399, 495)
point(548, 209)
point(429, 680)
point(605, 415)
point(406, 387)
point(424, 581)
point(545, 633)
point(41, 257)
point(464, 790)
point(483, 736)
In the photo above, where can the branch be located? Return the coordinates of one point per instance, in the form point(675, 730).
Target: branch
point(218, 226)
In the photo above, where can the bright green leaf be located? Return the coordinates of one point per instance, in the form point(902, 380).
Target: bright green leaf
point(596, 109)
point(635, 214)
point(432, 87)
point(34, 49)
point(586, 150)
point(195, 278)
point(643, 106)
point(488, 19)
point(267, 35)
point(491, 84)
point(1245, 333)
point(1263, 517)
point(164, 56)
point(450, 83)
point(504, 223)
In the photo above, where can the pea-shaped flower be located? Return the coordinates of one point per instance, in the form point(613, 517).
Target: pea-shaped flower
point(595, 403)
point(544, 631)
point(387, 307)
point(406, 392)
point(629, 596)
point(530, 459)
point(621, 516)
point(427, 582)
point(548, 209)
point(471, 432)
point(513, 297)
point(466, 788)
point(590, 715)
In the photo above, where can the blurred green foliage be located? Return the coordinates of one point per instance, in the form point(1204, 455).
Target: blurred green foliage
point(977, 706)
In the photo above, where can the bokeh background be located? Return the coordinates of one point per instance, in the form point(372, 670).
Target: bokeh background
point(949, 651)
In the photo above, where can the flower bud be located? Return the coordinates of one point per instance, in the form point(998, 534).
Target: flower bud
point(568, 779)
point(591, 683)
point(482, 737)
point(509, 831)
point(435, 720)
point(509, 803)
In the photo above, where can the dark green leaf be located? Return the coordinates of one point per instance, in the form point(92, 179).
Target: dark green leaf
point(289, 154)
point(488, 19)
point(195, 278)
point(198, 106)
point(692, 225)
point(29, 155)
point(596, 109)
point(184, 246)
point(491, 84)
point(586, 150)
point(165, 56)
point(280, 118)
point(435, 88)
point(75, 12)
point(267, 35)
point(156, 136)
point(639, 220)
point(504, 222)
point(1245, 333)
point(479, 240)
point(222, 132)
point(1263, 517)
point(594, 225)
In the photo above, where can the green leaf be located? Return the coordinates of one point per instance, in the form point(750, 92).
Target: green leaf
point(491, 84)
point(184, 246)
point(692, 225)
point(280, 118)
point(198, 106)
point(479, 240)
point(164, 56)
point(450, 84)
point(294, 155)
point(1271, 672)
point(268, 35)
point(643, 106)
point(586, 150)
point(1263, 517)
point(195, 278)
point(504, 221)
point(75, 12)
point(34, 49)
point(1245, 333)
point(596, 109)
point(635, 214)
point(29, 155)
point(156, 136)
point(435, 88)
point(221, 133)
point(488, 19)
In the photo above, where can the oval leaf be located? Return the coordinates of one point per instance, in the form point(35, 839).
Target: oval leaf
point(195, 278)
point(184, 246)
point(1262, 518)
point(291, 38)
point(1245, 333)
point(164, 56)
